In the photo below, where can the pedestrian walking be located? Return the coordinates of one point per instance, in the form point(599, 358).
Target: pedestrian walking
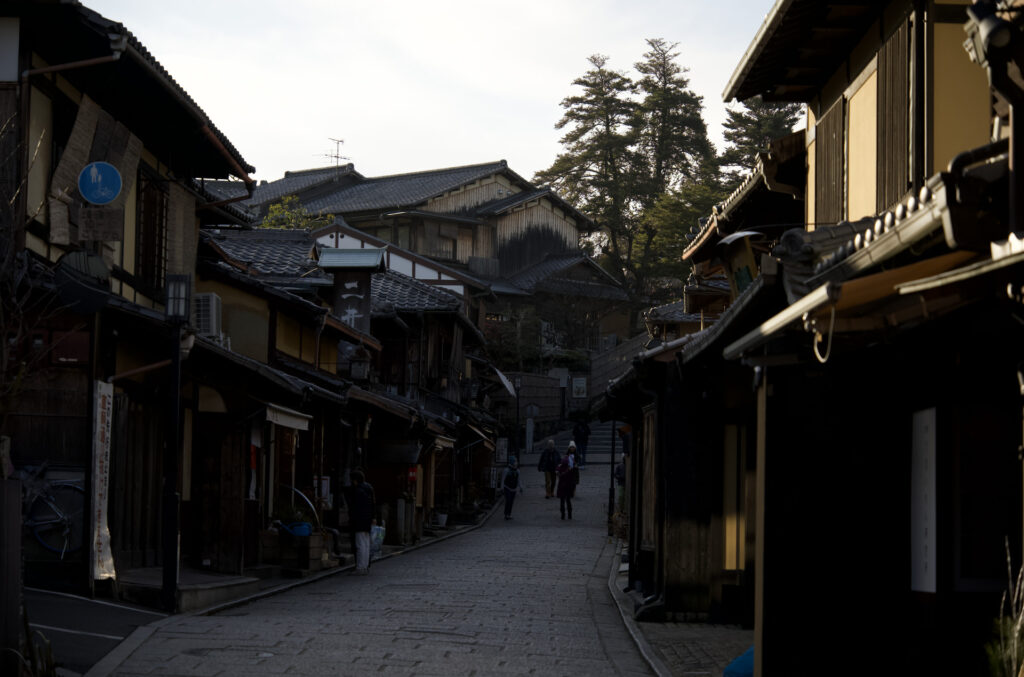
point(548, 464)
point(511, 482)
point(581, 435)
point(566, 484)
point(574, 466)
point(620, 479)
point(362, 508)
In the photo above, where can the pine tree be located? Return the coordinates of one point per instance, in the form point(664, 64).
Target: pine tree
point(628, 144)
point(672, 137)
point(594, 171)
point(676, 168)
point(750, 129)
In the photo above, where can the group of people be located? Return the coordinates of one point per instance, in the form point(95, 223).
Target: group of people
point(561, 475)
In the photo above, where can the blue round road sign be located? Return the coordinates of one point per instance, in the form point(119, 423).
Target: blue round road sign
point(99, 183)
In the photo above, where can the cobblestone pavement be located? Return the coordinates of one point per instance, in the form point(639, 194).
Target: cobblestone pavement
point(696, 649)
point(526, 596)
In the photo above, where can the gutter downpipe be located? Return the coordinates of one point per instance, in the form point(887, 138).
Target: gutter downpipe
point(25, 75)
point(659, 503)
point(193, 108)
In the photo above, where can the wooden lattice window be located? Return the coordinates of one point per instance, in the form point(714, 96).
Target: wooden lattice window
point(894, 119)
point(829, 163)
point(151, 230)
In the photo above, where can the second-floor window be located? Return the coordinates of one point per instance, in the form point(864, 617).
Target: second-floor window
point(829, 158)
point(893, 178)
point(151, 230)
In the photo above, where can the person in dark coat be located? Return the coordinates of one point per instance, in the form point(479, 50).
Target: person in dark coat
point(548, 464)
point(511, 482)
point(362, 508)
point(581, 435)
point(566, 485)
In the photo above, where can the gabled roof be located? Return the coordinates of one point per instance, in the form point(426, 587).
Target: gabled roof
point(770, 198)
point(547, 276)
point(161, 113)
point(545, 192)
point(344, 230)
point(405, 190)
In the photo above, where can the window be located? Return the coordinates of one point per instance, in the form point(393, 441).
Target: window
point(829, 162)
point(151, 230)
point(894, 119)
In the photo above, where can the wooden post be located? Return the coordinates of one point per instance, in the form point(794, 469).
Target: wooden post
point(10, 576)
point(762, 420)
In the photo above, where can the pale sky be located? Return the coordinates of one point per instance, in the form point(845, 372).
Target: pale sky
point(416, 85)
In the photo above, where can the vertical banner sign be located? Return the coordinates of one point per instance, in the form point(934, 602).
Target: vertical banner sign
point(102, 559)
point(923, 503)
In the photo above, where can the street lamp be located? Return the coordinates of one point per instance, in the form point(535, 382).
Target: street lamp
point(177, 312)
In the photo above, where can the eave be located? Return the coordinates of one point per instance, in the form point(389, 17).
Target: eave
point(798, 47)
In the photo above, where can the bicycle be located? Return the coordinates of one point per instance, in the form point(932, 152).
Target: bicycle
point(53, 511)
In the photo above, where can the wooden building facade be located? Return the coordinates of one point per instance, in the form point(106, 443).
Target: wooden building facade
point(841, 442)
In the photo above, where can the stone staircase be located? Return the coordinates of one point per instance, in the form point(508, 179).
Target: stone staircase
point(599, 449)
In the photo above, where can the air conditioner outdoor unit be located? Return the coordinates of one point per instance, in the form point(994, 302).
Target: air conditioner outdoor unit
point(207, 315)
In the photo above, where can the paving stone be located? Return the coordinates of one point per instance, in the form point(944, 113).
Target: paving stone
point(528, 596)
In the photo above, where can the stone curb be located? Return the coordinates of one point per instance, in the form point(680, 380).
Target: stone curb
point(106, 665)
point(623, 602)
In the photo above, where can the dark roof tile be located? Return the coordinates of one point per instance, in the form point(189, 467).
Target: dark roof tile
point(391, 290)
point(401, 190)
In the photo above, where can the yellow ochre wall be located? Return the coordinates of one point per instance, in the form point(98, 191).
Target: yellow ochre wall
point(295, 340)
point(862, 164)
point(244, 318)
point(961, 107)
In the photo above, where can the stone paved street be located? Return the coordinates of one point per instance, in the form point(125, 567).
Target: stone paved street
point(526, 596)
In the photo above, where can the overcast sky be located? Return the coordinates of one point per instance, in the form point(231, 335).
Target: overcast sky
point(414, 85)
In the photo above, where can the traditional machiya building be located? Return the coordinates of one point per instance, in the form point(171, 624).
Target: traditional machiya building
point(867, 378)
point(104, 153)
point(411, 421)
point(692, 415)
point(511, 248)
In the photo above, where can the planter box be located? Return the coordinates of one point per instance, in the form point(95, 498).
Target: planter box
point(301, 552)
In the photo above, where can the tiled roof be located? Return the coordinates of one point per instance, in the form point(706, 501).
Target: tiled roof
point(109, 27)
point(225, 190)
point(672, 312)
point(710, 285)
point(236, 211)
point(544, 276)
point(391, 290)
point(498, 206)
point(270, 252)
point(295, 182)
point(552, 265)
point(401, 190)
point(340, 226)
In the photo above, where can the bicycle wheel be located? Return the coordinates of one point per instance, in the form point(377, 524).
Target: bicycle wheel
point(57, 519)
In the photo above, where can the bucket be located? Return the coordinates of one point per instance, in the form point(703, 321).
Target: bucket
point(299, 528)
point(442, 519)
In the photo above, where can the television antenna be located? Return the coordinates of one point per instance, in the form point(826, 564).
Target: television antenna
point(336, 155)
